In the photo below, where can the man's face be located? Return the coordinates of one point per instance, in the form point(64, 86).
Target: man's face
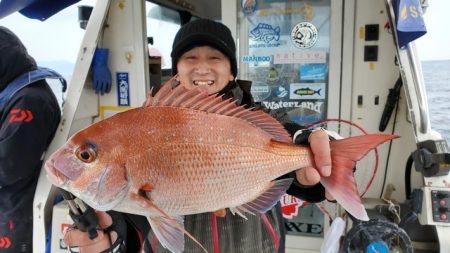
point(204, 66)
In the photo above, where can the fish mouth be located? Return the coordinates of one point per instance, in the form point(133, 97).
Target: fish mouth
point(55, 176)
point(203, 82)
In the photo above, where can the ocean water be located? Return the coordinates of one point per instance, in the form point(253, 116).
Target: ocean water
point(437, 81)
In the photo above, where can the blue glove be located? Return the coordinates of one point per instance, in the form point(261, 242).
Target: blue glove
point(101, 75)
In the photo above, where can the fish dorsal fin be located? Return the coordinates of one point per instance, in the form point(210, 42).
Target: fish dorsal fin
point(266, 201)
point(198, 99)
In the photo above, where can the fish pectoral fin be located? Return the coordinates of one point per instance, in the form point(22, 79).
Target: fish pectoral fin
point(168, 230)
point(265, 201)
point(220, 213)
point(167, 233)
point(147, 187)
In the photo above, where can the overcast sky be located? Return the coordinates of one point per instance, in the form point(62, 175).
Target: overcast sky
point(50, 41)
point(435, 45)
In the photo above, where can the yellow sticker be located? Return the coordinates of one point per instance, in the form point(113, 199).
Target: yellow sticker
point(108, 111)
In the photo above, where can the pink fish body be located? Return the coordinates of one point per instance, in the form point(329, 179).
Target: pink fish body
point(185, 152)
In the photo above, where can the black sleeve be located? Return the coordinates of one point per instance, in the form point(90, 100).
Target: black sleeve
point(137, 233)
point(27, 126)
point(315, 193)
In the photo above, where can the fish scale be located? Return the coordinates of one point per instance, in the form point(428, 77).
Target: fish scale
point(219, 176)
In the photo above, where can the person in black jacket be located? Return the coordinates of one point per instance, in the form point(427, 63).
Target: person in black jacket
point(203, 54)
point(28, 118)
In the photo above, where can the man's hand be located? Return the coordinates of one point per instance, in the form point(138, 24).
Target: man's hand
point(320, 146)
point(77, 238)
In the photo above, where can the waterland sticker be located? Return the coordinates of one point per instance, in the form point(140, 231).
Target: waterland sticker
point(313, 106)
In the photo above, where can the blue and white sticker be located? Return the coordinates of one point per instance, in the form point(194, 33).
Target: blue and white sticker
point(313, 72)
point(123, 89)
point(281, 91)
point(304, 35)
point(307, 91)
point(248, 6)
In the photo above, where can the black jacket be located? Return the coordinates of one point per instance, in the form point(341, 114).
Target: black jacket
point(27, 125)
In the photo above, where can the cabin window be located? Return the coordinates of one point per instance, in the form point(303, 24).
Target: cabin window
point(162, 25)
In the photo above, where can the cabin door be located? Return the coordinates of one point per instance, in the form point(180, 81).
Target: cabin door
point(291, 51)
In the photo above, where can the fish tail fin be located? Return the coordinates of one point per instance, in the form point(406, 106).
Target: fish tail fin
point(341, 183)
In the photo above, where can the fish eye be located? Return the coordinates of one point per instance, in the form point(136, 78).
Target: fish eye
point(86, 154)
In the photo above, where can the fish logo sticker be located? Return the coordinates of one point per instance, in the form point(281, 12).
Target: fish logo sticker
point(307, 91)
point(304, 35)
point(265, 32)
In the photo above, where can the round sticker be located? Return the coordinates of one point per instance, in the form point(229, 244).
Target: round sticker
point(304, 35)
point(248, 6)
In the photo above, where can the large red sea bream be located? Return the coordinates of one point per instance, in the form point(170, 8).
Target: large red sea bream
point(185, 152)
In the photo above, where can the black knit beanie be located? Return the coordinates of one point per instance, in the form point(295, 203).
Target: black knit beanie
point(204, 32)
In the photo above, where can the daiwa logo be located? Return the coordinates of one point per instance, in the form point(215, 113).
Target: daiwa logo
point(314, 106)
point(254, 58)
point(19, 115)
point(5, 242)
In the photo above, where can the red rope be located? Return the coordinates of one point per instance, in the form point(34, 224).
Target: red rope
point(272, 232)
point(215, 233)
point(154, 242)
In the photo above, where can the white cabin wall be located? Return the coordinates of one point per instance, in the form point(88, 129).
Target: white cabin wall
point(126, 37)
point(124, 34)
point(372, 79)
